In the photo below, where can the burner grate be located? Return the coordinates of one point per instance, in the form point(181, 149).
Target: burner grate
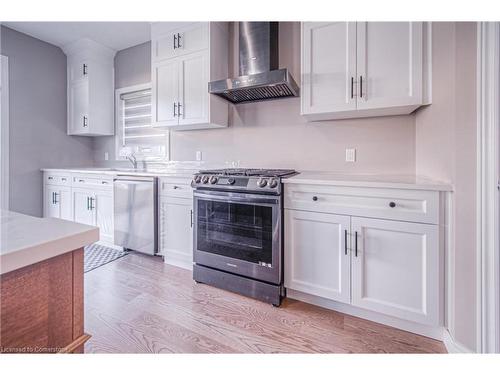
point(250, 172)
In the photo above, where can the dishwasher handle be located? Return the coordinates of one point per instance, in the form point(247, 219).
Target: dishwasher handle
point(134, 179)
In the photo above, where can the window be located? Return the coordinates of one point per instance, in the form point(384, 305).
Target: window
point(135, 133)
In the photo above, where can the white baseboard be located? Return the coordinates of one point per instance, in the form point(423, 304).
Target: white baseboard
point(420, 329)
point(452, 346)
point(178, 263)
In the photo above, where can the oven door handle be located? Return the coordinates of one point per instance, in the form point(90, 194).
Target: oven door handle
point(239, 198)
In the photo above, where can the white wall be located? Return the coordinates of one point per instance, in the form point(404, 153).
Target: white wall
point(446, 150)
point(37, 111)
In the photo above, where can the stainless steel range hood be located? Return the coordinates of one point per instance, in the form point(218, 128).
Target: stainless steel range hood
point(259, 76)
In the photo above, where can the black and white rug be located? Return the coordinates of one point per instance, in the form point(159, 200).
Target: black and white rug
point(97, 255)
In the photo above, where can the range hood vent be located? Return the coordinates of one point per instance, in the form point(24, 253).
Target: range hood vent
point(260, 78)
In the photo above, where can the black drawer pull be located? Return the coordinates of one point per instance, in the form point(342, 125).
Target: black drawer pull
point(315, 198)
point(392, 204)
point(345, 241)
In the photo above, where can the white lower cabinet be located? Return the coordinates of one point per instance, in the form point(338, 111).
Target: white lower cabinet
point(395, 268)
point(94, 207)
point(317, 260)
point(176, 221)
point(389, 266)
point(176, 230)
point(57, 202)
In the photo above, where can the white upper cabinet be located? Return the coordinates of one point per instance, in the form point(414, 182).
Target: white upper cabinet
point(389, 64)
point(328, 73)
point(185, 57)
point(90, 88)
point(363, 69)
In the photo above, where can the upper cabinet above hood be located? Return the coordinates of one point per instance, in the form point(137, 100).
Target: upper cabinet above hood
point(259, 76)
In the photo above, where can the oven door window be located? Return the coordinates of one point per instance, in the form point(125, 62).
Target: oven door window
point(235, 230)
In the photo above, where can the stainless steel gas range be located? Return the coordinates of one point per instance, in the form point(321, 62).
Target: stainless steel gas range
point(238, 232)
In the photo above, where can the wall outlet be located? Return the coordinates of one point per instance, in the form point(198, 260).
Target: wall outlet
point(198, 156)
point(106, 156)
point(350, 155)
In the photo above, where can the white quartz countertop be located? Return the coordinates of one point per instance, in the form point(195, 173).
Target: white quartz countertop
point(184, 172)
point(368, 180)
point(26, 240)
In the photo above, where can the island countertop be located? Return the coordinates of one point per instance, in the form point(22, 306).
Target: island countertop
point(26, 240)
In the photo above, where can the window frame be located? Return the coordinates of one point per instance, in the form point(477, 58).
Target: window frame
point(119, 125)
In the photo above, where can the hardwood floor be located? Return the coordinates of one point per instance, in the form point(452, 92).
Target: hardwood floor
point(138, 304)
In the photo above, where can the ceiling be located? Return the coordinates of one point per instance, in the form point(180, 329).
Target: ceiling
point(115, 35)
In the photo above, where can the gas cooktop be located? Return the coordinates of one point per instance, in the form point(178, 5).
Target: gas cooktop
point(250, 172)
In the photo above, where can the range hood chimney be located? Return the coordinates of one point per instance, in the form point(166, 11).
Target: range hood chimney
point(259, 76)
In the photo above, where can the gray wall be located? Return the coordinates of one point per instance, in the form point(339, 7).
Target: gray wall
point(273, 133)
point(132, 67)
point(37, 77)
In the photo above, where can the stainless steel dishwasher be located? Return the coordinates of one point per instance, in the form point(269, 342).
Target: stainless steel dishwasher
point(135, 213)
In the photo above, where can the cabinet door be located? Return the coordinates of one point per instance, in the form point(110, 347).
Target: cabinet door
point(78, 69)
point(165, 93)
point(396, 269)
point(389, 64)
point(328, 67)
point(102, 204)
point(52, 208)
point(176, 230)
point(82, 209)
point(64, 200)
point(317, 256)
point(79, 107)
point(193, 89)
point(185, 40)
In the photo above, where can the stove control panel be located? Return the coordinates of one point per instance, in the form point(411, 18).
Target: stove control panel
point(264, 184)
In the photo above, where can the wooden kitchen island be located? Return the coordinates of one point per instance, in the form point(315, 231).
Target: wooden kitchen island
point(41, 284)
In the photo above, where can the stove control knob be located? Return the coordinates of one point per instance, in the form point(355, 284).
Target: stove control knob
point(231, 181)
point(262, 182)
point(273, 182)
point(205, 179)
point(197, 179)
point(213, 179)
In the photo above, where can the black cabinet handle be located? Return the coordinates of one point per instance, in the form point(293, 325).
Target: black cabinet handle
point(179, 109)
point(179, 40)
point(92, 203)
point(55, 198)
point(360, 86)
point(191, 218)
point(392, 204)
point(85, 71)
point(352, 87)
point(175, 109)
point(356, 243)
point(88, 205)
point(85, 121)
point(315, 198)
point(345, 241)
point(175, 41)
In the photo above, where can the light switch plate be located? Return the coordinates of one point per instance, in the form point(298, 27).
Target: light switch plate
point(350, 155)
point(198, 155)
point(106, 156)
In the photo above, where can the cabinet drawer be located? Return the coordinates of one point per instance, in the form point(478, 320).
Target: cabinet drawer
point(57, 179)
point(176, 187)
point(394, 204)
point(93, 180)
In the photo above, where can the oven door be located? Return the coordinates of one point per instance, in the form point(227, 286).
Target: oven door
point(239, 233)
